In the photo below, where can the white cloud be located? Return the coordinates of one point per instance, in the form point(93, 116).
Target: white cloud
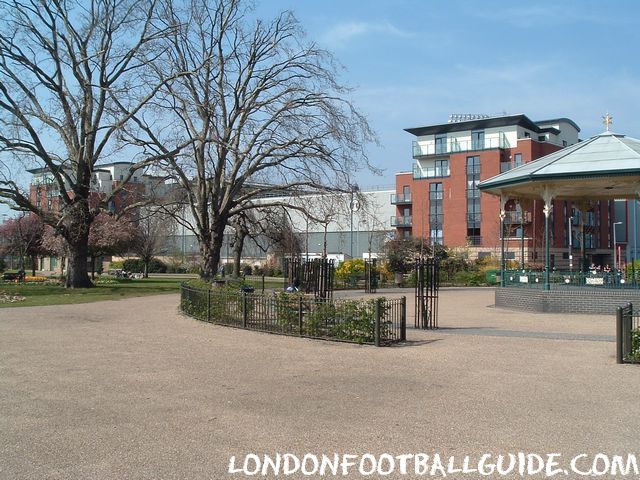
point(341, 33)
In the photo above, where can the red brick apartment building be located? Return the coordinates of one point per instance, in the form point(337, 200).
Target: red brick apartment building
point(439, 199)
point(45, 193)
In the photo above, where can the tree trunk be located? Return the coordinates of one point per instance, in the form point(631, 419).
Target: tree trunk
point(93, 268)
point(77, 272)
point(237, 254)
point(146, 268)
point(34, 260)
point(208, 266)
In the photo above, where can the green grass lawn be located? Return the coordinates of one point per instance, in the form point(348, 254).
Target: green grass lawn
point(48, 294)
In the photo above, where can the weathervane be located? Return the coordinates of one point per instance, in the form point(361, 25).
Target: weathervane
point(607, 120)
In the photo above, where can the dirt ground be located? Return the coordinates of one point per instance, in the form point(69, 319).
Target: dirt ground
point(132, 389)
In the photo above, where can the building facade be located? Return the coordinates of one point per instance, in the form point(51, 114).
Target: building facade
point(439, 199)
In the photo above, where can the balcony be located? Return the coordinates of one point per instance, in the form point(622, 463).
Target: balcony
point(401, 221)
point(513, 216)
point(431, 148)
point(400, 198)
point(431, 172)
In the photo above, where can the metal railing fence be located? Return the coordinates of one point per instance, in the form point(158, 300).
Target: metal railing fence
point(379, 321)
point(627, 335)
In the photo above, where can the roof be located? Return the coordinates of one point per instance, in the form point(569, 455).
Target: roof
point(501, 121)
point(558, 120)
point(604, 166)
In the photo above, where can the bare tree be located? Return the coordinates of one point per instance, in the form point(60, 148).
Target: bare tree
point(262, 108)
point(153, 230)
point(71, 77)
point(22, 237)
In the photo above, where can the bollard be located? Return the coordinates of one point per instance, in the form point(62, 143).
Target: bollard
point(619, 358)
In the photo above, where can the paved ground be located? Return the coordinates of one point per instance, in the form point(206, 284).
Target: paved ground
point(132, 389)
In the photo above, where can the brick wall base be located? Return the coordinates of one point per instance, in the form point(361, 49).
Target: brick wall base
point(586, 300)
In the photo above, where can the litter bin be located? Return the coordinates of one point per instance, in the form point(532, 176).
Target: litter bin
point(491, 276)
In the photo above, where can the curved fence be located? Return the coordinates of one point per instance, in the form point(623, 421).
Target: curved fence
point(378, 321)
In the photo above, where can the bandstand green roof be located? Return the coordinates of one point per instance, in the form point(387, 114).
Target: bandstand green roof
point(603, 167)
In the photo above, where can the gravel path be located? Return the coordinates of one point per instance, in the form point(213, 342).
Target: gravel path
point(132, 389)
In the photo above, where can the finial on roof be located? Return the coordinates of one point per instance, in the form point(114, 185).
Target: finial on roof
point(607, 120)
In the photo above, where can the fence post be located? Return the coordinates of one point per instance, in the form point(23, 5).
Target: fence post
point(300, 315)
point(209, 305)
point(263, 283)
point(403, 319)
point(376, 331)
point(245, 310)
point(619, 358)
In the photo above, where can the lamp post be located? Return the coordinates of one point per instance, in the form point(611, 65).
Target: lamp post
point(570, 245)
point(615, 267)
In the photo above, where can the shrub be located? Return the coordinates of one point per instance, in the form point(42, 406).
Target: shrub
point(116, 265)
point(3, 265)
point(635, 345)
point(350, 268)
point(36, 279)
point(136, 265)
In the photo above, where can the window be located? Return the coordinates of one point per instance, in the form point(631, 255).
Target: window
point(441, 143)
point(442, 168)
point(542, 138)
point(527, 135)
point(474, 215)
point(406, 190)
point(436, 215)
point(477, 139)
point(564, 143)
point(517, 159)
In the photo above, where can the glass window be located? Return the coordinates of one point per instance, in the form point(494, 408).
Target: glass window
point(436, 215)
point(477, 139)
point(517, 159)
point(441, 143)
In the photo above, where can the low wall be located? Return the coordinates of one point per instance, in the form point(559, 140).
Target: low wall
point(565, 300)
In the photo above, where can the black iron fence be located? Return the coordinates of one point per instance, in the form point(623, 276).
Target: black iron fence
point(627, 335)
point(377, 321)
point(563, 279)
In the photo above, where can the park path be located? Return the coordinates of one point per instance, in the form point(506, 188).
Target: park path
point(132, 389)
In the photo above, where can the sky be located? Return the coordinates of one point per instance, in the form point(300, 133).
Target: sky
point(414, 62)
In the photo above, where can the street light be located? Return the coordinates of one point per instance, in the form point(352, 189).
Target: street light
point(570, 245)
point(615, 268)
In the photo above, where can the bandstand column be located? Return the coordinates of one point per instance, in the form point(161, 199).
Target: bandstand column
point(547, 196)
point(503, 214)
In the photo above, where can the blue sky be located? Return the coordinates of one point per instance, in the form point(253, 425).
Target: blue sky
point(414, 62)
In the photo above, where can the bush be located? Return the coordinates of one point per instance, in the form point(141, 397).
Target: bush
point(3, 265)
point(36, 279)
point(246, 269)
point(350, 268)
point(117, 265)
point(136, 265)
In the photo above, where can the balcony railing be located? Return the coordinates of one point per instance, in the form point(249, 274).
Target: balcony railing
point(400, 198)
point(401, 221)
point(474, 240)
point(434, 172)
point(423, 149)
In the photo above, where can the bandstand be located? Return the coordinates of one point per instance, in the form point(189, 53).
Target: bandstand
point(604, 167)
